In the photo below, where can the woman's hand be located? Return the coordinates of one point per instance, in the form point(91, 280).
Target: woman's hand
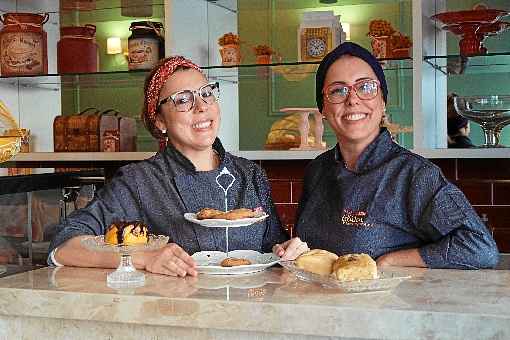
point(290, 249)
point(171, 260)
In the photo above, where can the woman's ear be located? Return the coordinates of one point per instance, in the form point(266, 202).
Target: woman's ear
point(159, 123)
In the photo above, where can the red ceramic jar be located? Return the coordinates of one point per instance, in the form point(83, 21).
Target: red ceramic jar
point(77, 49)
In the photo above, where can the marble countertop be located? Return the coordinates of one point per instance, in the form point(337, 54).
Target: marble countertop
point(443, 304)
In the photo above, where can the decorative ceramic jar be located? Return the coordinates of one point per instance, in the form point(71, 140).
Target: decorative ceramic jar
point(230, 55)
point(146, 45)
point(23, 44)
point(77, 49)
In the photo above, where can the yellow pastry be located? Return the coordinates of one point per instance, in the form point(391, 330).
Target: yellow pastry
point(127, 233)
point(355, 267)
point(317, 261)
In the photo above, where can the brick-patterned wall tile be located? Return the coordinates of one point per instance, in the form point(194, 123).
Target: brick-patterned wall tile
point(280, 191)
point(288, 169)
point(499, 216)
point(502, 193)
point(488, 168)
point(502, 238)
point(297, 189)
point(476, 192)
point(447, 166)
point(287, 213)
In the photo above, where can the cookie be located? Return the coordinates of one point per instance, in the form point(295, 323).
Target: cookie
point(238, 214)
point(208, 213)
point(234, 262)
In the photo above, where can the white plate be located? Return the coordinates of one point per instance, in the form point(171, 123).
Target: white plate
point(221, 223)
point(386, 281)
point(208, 262)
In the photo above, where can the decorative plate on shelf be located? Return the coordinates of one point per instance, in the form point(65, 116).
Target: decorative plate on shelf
point(208, 262)
point(483, 15)
point(221, 223)
point(386, 281)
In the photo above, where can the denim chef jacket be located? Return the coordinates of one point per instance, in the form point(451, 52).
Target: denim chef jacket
point(158, 191)
point(393, 200)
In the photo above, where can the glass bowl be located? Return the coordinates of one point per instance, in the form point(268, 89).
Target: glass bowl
point(491, 112)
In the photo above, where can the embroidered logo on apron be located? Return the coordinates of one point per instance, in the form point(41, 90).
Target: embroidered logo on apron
point(354, 218)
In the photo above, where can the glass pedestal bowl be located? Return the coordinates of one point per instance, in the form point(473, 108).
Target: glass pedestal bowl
point(492, 113)
point(126, 275)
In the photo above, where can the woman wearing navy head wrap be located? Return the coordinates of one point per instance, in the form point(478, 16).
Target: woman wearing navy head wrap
point(369, 195)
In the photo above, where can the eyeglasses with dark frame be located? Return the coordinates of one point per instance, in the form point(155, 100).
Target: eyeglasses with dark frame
point(365, 89)
point(184, 100)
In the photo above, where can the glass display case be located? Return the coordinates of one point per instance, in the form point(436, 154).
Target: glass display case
point(31, 206)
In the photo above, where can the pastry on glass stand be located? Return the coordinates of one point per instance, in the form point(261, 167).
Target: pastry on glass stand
point(126, 238)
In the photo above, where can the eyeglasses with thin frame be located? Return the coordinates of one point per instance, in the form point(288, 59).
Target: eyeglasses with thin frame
point(184, 100)
point(365, 89)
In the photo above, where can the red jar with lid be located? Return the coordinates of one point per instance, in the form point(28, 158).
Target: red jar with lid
point(77, 49)
point(23, 44)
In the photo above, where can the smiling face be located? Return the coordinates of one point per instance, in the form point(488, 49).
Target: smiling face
point(354, 121)
point(196, 129)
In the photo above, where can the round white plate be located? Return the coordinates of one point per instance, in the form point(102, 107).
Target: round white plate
point(208, 262)
point(221, 223)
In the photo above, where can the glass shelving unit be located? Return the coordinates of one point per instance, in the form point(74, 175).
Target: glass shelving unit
point(447, 71)
point(252, 94)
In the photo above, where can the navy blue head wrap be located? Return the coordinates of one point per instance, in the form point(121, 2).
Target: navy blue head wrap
point(454, 124)
point(354, 50)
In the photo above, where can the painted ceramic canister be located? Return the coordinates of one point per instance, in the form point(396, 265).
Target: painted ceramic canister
point(146, 45)
point(23, 44)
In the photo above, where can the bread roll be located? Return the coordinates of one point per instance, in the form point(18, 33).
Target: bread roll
point(355, 267)
point(317, 261)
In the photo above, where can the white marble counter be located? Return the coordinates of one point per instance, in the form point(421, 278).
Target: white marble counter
point(74, 303)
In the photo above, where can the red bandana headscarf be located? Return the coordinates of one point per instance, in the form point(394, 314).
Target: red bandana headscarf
point(155, 83)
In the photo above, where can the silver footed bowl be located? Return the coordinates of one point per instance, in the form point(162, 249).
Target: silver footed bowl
point(491, 112)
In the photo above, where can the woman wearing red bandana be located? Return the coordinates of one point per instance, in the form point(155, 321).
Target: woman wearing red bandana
point(180, 106)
